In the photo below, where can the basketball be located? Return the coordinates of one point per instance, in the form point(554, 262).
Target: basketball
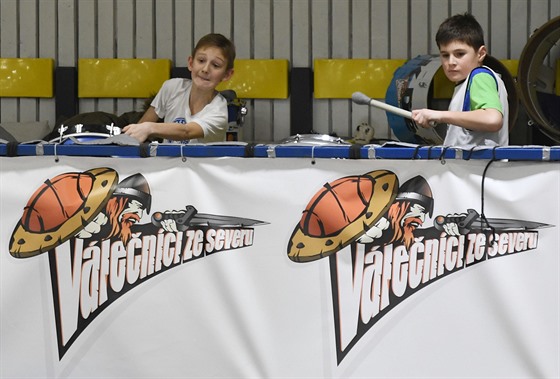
point(56, 201)
point(337, 205)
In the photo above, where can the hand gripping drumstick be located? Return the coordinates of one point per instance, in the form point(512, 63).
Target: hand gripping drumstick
point(360, 98)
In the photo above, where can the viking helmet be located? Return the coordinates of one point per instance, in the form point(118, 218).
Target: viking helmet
point(417, 190)
point(136, 187)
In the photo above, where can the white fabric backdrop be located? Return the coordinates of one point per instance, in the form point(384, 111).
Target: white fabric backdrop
point(252, 312)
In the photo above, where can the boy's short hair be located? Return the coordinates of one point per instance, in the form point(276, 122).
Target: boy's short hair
point(219, 41)
point(461, 27)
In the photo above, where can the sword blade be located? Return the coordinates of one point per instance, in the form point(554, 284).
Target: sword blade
point(203, 219)
point(506, 224)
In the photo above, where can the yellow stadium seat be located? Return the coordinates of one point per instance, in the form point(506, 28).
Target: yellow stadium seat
point(340, 78)
point(259, 79)
point(26, 77)
point(121, 78)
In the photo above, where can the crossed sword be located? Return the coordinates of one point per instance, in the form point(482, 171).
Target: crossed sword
point(473, 221)
point(190, 217)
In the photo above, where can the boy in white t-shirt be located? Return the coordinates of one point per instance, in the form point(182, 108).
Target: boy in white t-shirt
point(192, 109)
point(478, 112)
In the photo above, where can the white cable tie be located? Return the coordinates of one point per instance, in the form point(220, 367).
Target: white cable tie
point(39, 149)
point(183, 158)
point(546, 153)
point(271, 151)
point(313, 154)
point(458, 153)
point(55, 153)
point(153, 149)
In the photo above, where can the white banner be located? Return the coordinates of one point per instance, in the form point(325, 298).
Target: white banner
point(251, 267)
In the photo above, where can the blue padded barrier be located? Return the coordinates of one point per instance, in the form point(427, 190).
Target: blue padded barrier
point(513, 153)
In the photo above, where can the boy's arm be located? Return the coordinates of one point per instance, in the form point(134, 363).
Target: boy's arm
point(149, 115)
point(480, 120)
point(174, 131)
point(166, 130)
point(148, 128)
point(487, 114)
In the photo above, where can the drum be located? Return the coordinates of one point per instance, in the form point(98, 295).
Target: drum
point(237, 110)
point(412, 87)
point(314, 140)
point(536, 87)
point(68, 135)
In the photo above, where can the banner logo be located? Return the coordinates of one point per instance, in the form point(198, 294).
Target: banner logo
point(89, 224)
point(370, 229)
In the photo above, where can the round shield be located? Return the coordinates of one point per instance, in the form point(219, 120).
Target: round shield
point(340, 213)
point(59, 208)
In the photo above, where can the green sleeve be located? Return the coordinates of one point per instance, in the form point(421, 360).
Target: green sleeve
point(484, 93)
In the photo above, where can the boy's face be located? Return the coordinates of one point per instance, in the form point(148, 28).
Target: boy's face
point(208, 67)
point(459, 59)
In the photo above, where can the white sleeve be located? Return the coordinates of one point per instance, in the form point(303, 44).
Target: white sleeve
point(214, 120)
point(158, 101)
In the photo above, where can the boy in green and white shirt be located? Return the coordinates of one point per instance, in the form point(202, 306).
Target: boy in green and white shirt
point(478, 112)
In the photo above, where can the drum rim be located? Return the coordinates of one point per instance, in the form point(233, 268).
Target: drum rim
point(313, 139)
point(63, 138)
point(536, 49)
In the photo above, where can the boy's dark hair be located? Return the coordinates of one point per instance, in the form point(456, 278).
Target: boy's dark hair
point(219, 41)
point(463, 28)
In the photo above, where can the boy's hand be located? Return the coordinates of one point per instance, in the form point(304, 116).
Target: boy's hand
point(426, 118)
point(140, 132)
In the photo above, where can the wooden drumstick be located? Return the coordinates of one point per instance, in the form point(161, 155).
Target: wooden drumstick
point(360, 98)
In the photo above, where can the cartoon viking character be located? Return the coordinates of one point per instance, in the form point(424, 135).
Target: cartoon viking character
point(93, 205)
point(408, 211)
point(125, 208)
point(373, 209)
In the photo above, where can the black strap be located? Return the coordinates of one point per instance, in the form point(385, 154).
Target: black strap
point(415, 153)
point(11, 149)
point(469, 155)
point(355, 151)
point(145, 150)
point(442, 155)
point(494, 152)
point(250, 150)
